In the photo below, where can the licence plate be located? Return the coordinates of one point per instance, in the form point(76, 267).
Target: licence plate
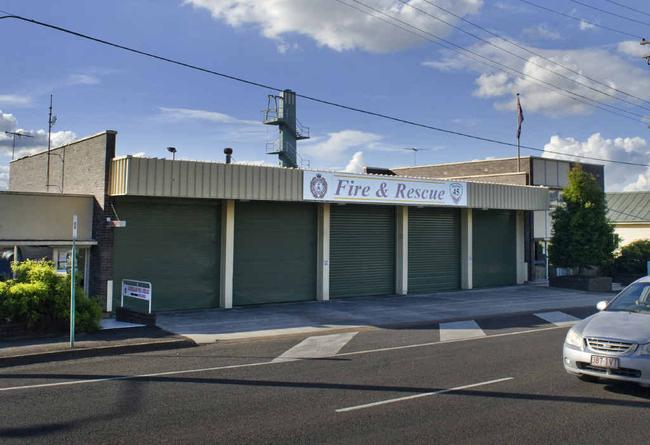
point(604, 362)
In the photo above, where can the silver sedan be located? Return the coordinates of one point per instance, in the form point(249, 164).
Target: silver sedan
point(614, 343)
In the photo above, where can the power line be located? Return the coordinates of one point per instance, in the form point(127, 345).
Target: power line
point(579, 19)
point(627, 214)
point(311, 98)
point(458, 48)
point(519, 56)
point(628, 7)
point(522, 47)
point(577, 2)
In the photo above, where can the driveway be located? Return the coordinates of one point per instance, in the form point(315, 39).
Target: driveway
point(207, 326)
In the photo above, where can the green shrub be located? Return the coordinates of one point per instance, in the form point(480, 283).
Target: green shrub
point(40, 298)
point(633, 258)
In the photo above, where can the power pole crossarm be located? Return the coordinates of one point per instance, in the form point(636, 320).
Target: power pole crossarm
point(646, 57)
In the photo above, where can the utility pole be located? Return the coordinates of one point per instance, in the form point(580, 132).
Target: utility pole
point(51, 120)
point(14, 134)
point(646, 57)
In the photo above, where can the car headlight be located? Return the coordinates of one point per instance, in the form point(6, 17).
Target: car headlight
point(573, 339)
point(644, 349)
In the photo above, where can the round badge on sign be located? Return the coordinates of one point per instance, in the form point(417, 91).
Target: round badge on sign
point(318, 186)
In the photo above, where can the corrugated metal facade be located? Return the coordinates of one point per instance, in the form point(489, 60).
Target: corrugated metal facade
point(433, 249)
point(275, 252)
point(507, 197)
point(191, 179)
point(362, 250)
point(175, 245)
point(494, 248)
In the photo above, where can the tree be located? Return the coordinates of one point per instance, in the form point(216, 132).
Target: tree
point(582, 234)
point(634, 257)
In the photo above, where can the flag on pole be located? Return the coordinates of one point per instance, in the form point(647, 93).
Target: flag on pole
point(520, 117)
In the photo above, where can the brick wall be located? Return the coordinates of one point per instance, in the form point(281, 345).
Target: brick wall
point(80, 167)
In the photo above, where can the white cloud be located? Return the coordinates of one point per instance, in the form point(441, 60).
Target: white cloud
point(257, 163)
point(633, 48)
point(140, 154)
point(14, 100)
point(618, 177)
point(332, 24)
point(28, 145)
point(4, 177)
point(357, 164)
point(82, 79)
point(584, 26)
point(605, 65)
point(541, 31)
point(338, 144)
point(182, 114)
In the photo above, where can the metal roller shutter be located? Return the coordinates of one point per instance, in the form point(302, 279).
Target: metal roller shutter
point(433, 249)
point(173, 244)
point(494, 248)
point(362, 250)
point(275, 252)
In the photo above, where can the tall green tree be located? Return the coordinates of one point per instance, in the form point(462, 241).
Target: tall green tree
point(582, 234)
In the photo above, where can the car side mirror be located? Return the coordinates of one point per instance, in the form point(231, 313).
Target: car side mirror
point(602, 305)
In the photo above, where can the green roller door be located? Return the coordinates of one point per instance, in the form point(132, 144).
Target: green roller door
point(434, 249)
point(275, 252)
point(362, 250)
point(174, 244)
point(494, 248)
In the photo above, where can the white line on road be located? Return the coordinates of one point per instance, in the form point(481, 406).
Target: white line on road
point(460, 329)
point(250, 365)
point(558, 318)
point(319, 346)
point(425, 394)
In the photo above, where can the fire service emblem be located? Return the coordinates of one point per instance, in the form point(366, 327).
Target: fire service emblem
point(318, 186)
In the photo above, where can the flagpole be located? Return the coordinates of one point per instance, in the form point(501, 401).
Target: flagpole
point(518, 136)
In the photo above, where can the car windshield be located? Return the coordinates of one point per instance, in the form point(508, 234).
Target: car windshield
point(635, 298)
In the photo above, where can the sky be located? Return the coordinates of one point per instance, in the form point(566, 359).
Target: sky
point(330, 50)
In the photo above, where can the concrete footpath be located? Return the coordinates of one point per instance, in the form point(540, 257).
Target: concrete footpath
point(104, 342)
point(208, 326)
point(189, 328)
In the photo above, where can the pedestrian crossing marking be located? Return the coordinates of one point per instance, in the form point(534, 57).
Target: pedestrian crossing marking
point(558, 318)
point(320, 346)
point(460, 329)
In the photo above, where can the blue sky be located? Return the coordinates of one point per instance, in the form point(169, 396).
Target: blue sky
point(325, 49)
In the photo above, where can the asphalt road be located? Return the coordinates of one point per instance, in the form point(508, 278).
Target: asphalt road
point(382, 386)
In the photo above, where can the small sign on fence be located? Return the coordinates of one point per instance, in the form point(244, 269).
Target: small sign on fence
point(142, 290)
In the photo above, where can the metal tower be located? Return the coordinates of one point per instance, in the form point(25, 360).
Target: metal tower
point(281, 111)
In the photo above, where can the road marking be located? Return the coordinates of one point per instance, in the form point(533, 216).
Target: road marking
point(320, 346)
point(436, 343)
point(460, 329)
point(558, 318)
point(250, 365)
point(134, 377)
point(425, 394)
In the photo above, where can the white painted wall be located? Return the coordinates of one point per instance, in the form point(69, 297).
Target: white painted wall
point(632, 232)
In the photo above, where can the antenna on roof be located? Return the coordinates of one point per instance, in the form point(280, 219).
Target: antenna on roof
point(415, 153)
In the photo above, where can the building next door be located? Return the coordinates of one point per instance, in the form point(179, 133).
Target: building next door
point(494, 247)
point(172, 243)
point(362, 250)
point(275, 252)
point(433, 249)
